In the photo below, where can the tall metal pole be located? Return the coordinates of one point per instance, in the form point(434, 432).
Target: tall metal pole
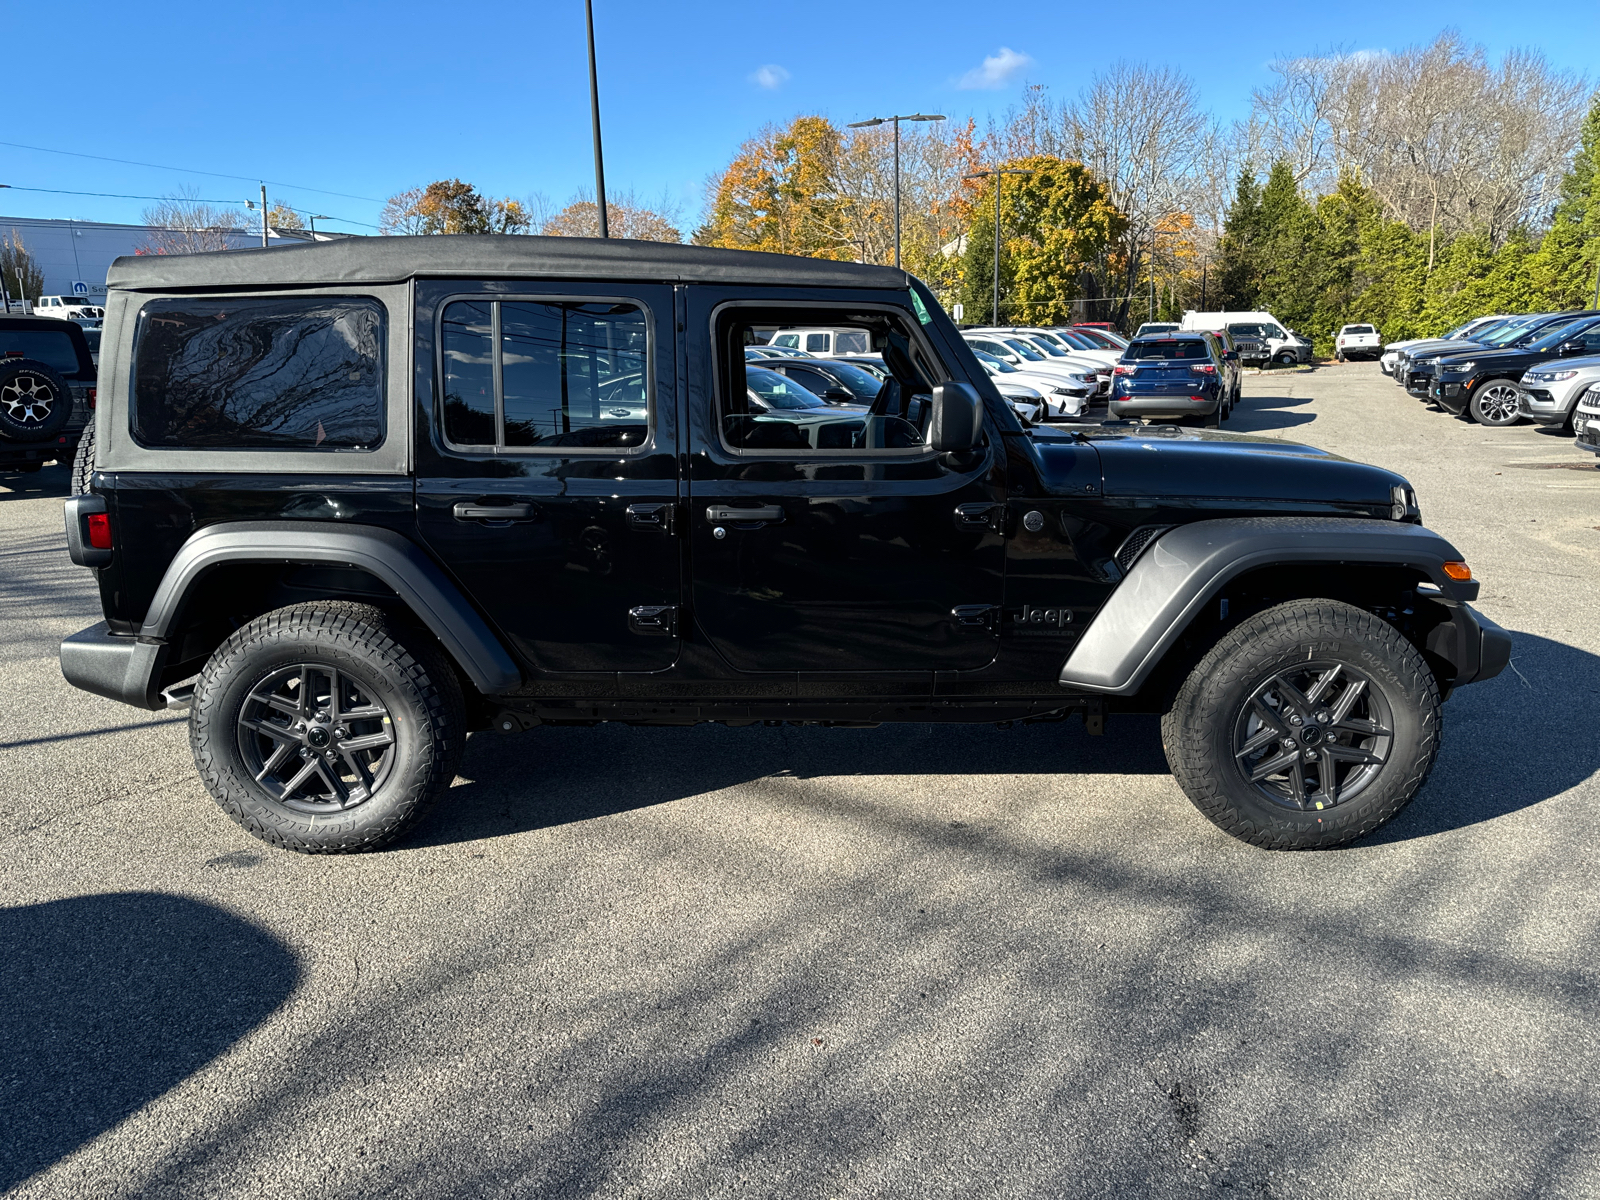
point(896, 191)
point(594, 116)
point(999, 178)
point(263, 216)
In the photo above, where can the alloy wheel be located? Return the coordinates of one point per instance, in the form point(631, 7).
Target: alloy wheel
point(28, 399)
point(1313, 736)
point(315, 739)
point(1498, 405)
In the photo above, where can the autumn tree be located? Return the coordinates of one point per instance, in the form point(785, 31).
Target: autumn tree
point(1055, 222)
point(182, 225)
point(451, 206)
point(625, 218)
point(778, 194)
point(280, 217)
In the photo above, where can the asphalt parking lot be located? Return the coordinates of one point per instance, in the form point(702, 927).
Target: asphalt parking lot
point(899, 962)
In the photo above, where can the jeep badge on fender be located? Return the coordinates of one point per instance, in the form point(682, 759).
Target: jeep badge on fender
point(550, 481)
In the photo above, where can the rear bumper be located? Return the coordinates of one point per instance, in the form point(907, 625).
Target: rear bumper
point(115, 666)
point(1161, 406)
point(60, 448)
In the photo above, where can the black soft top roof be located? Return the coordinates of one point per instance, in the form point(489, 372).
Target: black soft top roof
point(488, 256)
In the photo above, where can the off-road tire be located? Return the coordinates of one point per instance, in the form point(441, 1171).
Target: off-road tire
point(1199, 731)
point(83, 461)
point(402, 670)
point(1494, 420)
point(35, 401)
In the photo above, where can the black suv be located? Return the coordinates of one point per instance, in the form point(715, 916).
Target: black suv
point(47, 390)
point(352, 501)
point(1486, 384)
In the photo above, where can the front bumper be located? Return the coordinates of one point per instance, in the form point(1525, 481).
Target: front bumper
point(1452, 395)
point(1587, 427)
point(1474, 645)
point(115, 666)
point(1539, 406)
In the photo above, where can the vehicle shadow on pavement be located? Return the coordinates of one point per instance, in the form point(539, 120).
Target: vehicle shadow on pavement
point(1264, 414)
point(549, 776)
point(110, 1000)
point(1487, 768)
point(1519, 739)
point(40, 485)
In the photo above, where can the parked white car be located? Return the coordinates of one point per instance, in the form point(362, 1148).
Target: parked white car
point(1030, 359)
point(823, 343)
point(1586, 421)
point(1058, 400)
point(1392, 351)
point(1056, 347)
point(1355, 340)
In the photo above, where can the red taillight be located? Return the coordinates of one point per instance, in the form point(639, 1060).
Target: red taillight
point(1122, 370)
point(99, 531)
point(1203, 369)
point(1200, 399)
point(91, 397)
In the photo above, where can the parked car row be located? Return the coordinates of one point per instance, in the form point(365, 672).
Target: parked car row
point(1505, 368)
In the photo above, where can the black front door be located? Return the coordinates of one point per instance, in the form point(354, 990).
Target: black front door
point(842, 550)
point(547, 476)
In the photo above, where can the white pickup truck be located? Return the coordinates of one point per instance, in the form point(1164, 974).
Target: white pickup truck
point(69, 308)
point(1354, 340)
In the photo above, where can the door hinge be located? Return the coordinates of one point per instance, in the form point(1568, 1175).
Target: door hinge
point(975, 616)
point(654, 620)
point(980, 515)
point(651, 518)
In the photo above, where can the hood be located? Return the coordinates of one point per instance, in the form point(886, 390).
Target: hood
point(1440, 346)
point(1214, 469)
point(1587, 363)
point(1506, 355)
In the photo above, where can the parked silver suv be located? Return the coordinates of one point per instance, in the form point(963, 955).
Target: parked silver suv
point(1549, 391)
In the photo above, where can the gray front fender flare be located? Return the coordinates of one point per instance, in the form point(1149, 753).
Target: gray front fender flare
point(388, 556)
point(1189, 565)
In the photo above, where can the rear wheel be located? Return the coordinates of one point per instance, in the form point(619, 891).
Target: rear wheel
point(1496, 403)
point(35, 401)
point(322, 728)
point(83, 461)
point(1308, 726)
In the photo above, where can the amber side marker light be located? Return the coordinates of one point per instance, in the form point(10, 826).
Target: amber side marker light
point(1459, 571)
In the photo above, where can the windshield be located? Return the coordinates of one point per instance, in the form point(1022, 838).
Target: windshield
point(997, 365)
point(1245, 330)
point(1042, 342)
point(1155, 328)
point(1078, 342)
point(1168, 348)
point(1027, 351)
point(862, 383)
point(1561, 333)
point(46, 346)
point(776, 391)
point(1506, 333)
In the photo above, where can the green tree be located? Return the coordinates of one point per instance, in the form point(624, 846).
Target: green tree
point(1565, 267)
point(1055, 222)
point(1240, 261)
point(1292, 253)
point(24, 279)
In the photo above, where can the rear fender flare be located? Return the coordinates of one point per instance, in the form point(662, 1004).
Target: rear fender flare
point(386, 555)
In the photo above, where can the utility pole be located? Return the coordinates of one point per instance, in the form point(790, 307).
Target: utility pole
point(315, 219)
point(263, 216)
point(594, 118)
point(895, 121)
point(999, 174)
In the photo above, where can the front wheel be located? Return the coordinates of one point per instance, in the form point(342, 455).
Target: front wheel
point(1496, 403)
point(322, 728)
point(1309, 725)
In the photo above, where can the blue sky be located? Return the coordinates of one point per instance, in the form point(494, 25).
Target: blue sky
point(366, 99)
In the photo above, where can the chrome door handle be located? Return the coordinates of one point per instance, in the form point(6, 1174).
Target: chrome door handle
point(467, 510)
point(720, 514)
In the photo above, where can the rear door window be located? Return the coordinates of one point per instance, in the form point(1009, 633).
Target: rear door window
point(279, 372)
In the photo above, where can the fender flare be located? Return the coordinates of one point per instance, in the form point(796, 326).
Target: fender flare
point(388, 556)
point(1184, 568)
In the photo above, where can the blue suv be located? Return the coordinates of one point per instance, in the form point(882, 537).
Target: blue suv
point(1175, 377)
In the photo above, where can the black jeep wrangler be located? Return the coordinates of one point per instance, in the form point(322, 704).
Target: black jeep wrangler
point(352, 501)
point(47, 391)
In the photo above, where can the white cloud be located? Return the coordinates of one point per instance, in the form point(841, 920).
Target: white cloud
point(996, 71)
point(772, 77)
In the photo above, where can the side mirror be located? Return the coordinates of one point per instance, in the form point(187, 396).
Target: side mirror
point(957, 417)
point(1231, 355)
point(1569, 349)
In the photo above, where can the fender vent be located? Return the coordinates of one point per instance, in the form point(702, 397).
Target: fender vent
point(1136, 544)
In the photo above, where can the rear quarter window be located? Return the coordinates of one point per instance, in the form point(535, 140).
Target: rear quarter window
point(280, 372)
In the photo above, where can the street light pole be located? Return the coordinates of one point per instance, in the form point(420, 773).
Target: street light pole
point(999, 174)
point(263, 216)
point(895, 121)
point(594, 117)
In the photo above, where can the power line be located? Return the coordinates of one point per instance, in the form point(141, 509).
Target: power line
point(128, 162)
point(12, 187)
